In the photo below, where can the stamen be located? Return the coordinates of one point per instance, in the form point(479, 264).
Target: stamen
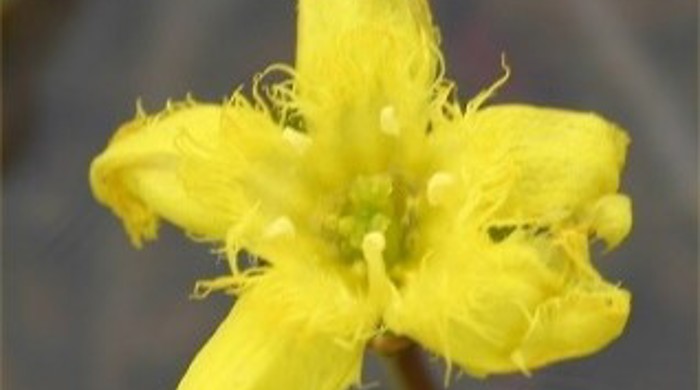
point(438, 187)
point(388, 123)
point(280, 227)
point(378, 284)
point(299, 141)
point(373, 245)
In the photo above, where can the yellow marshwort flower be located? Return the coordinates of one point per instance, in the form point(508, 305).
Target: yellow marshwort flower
point(376, 202)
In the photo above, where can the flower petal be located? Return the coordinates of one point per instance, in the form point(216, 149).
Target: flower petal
point(558, 162)
point(137, 176)
point(201, 167)
point(611, 218)
point(508, 276)
point(364, 72)
point(295, 328)
point(576, 324)
point(513, 305)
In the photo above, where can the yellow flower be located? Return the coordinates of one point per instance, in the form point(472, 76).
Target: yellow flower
point(373, 201)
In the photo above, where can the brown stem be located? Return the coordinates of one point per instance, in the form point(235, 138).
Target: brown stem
point(405, 359)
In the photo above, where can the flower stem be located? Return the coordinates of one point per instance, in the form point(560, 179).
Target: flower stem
point(404, 357)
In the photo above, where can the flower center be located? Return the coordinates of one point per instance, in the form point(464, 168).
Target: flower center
point(374, 204)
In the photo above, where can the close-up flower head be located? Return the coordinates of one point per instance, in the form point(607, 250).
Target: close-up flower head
point(358, 197)
point(349, 195)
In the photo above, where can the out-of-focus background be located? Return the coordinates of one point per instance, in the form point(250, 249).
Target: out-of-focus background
point(82, 309)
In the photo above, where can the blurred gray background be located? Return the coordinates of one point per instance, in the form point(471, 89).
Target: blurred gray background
point(82, 309)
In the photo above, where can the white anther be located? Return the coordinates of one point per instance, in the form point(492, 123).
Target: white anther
point(438, 186)
point(388, 123)
point(280, 227)
point(299, 141)
point(373, 245)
